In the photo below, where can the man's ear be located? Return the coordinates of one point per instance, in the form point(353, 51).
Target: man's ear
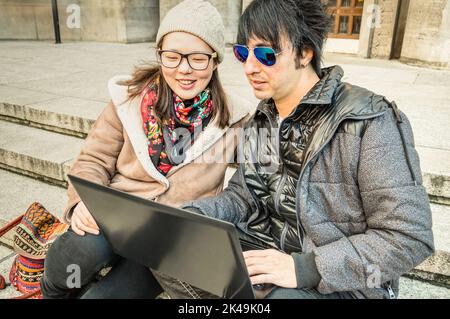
point(307, 56)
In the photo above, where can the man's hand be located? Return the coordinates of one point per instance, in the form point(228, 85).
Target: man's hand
point(271, 266)
point(82, 221)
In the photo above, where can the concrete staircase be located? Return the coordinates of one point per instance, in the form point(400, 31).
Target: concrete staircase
point(40, 140)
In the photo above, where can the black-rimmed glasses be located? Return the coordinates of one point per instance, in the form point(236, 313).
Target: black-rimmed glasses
point(198, 61)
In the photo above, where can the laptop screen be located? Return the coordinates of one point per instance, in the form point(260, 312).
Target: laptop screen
point(197, 249)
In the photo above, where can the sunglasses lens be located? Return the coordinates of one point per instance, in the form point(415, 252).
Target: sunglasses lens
point(266, 56)
point(240, 52)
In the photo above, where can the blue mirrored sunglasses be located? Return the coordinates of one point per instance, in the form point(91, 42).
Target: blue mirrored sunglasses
point(265, 55)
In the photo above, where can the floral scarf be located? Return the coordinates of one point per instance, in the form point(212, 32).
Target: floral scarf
point(167, 145)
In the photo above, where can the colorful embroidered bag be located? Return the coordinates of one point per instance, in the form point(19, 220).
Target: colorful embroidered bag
point(36, 230)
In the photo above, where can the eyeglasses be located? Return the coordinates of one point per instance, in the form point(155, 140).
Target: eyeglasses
point(197, 61)
point(265, 55)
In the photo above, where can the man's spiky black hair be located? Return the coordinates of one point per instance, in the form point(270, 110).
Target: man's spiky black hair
point(304, 22)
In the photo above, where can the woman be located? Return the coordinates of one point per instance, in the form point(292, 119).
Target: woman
point(151, 141)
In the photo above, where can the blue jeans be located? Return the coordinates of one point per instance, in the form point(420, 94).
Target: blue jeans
point(89, 254)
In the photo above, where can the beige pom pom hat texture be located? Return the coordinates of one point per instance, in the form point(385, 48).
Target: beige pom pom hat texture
point(199, 18)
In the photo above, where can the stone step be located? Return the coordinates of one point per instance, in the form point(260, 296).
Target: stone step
point(37, 153)
point(435, 164)
point(436, 269)
point(68, 115)
point(18, 192)
point(418, 289)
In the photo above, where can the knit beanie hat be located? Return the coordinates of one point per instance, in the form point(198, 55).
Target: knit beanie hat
point(199, 18)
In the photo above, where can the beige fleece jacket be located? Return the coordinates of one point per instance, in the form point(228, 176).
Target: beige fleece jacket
point(115, 154)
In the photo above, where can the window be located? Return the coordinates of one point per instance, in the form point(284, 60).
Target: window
point(347, 16)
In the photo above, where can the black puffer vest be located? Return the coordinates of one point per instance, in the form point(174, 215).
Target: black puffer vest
point(288, 139)
point(285, 152)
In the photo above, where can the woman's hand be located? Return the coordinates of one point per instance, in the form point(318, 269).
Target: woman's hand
point(82, 221)
point(271, 266)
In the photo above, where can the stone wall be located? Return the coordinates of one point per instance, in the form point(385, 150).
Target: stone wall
point(384, 31)
point(18, 20)
point(427, 35)
point(245, 3)
point(425, 24)
point(105, 20)
point(377, 28)
point(230, 11)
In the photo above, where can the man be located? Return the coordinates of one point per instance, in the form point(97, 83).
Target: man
point(345, 204)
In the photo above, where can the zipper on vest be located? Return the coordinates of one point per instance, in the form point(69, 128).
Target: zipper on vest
point(281, 185)
point(280, 189)
point(277, 208)
point(246, 230)
point(283, 235)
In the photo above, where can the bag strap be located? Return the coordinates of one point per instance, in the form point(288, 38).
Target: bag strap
point(11, 225)
point(28, 295)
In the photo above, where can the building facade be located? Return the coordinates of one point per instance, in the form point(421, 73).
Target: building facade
point(413, 31)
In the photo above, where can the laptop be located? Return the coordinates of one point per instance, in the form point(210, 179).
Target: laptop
point(200, 250)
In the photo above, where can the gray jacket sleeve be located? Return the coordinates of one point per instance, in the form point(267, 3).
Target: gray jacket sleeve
point(398, 216)
point(234, 204)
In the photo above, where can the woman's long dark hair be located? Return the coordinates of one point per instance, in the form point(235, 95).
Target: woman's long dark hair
point(146, 74)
